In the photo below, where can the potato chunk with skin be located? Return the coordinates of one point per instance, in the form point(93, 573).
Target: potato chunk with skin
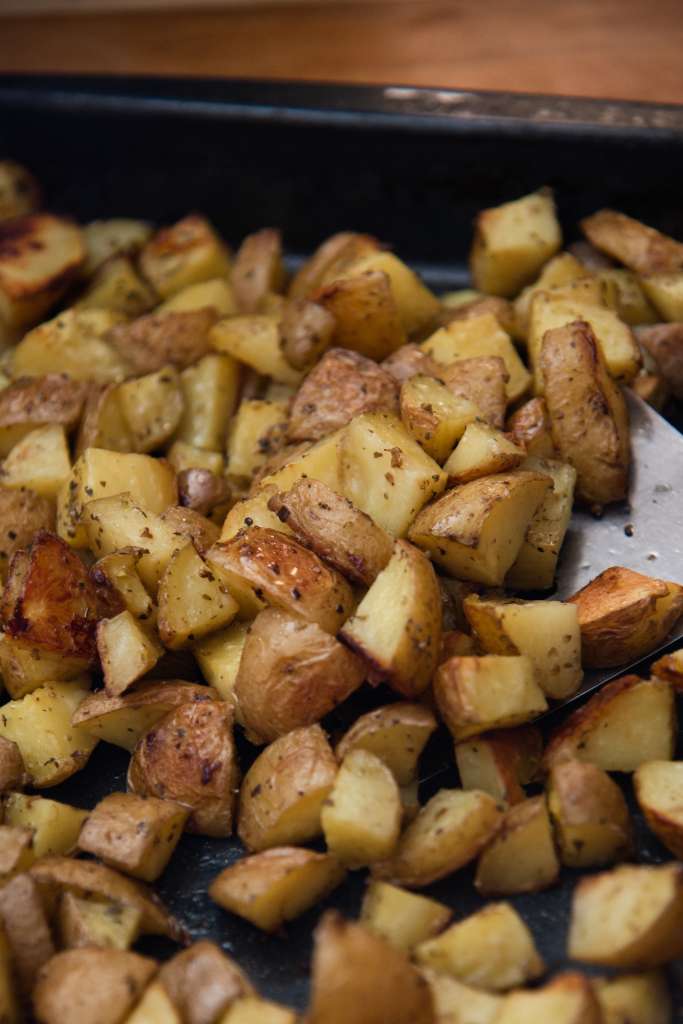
point(74, 342)
point(276, 885)
point(154, 341)
point(475, 694)
point(247, 447)
point(126, 651)
point(410, 361)
point(254, 339)
point(24, 923)
point(401, 918)
point(23, 514)
point(32, 402)
point(475, 531)
point(192, 601)
point(253, 1010)
point(306, 330)
point(54, 826)
point(116, 285)
point(283, 792)
point(417, 306)
point(16, 854)
point(481, 380)
point(476, 336)
point(501, 762)
point(455, 1003)
point(341, 246)
point(434, 415)
point(186, 253)
point(291, 674)
point(257, 269)
point(530, 428)
point(91, 986)
point(637, 246)
point(521, 856)
point(448, 832)
point(546, 631)
point(366, 316)
point(112, 524)
point(361, 816)
point(39, 461)
point(536, 563)
point(396, 733)
point(358, 977)
point(152, 406)
point(11, 765)
point(624, 615)
point(629, 721)
point(659, 790)
point(218, 657)
point(96, 922)
point(134, 834)
point(628, 917)
point(589, 814)
point(119, 572)
point(482, 450)
point(203, 982)
point(567, 999)
point(664, 343)
point(189, 757)
point(492, 949)
point(103, 424)
point(635, 998)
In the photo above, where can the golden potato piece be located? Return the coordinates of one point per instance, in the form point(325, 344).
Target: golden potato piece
point(26, 929)
point(152, 406)
point(501, 762)
point(103, 424)
point(658, 786)
point(31, 402)
point(664, 343)
point(91, 986)
point(396, 733)
point(481, 380)
point(530, 428)
point(254, 339)
point(492, 949)
point(248, 434)
point(189, 757)
point(209, 390)
point(361, 817)
point(218, 657)
point(16, 854)
point(628, 917)
point(306, 331)
point(331, 253)
point(590, 817)
point(154, 341)
point(283, 792)
point(637, 246)
point(536, 563)
point(116, 523)
point(449, 831)
point(625, 295)
point(116, 285)
point(119, 236)
point(624, 615)
point(665, 292)
point(23, 514)
point(154, 1006)
point(358, 977)
point(276, 885)
point(257, 269)
point(54, 826)
point(192, 601)
point(481, 451)
point(521, 856)
point(435, 417)
point(126, 652)
point(561, 270)
point(476, 336)
point(629, 721)
point(670, 667)
point(417, 306)
point(455, 1003)
point(12, 772)
point(403, 919)
point(94, 922)
point(366, 315)
point(253, 1010)
point(74, 342)
point(188, 524)
point(186, 253)
point(118, 572)
point(567, 999)
point(202, 982)
point(19, 193)
point(635, 998)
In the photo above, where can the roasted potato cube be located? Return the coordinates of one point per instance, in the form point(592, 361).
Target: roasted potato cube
point(561, 270)
point(396, 628)
point(254, 339)
point(218, 657)
point(521, 856)
point(480, 380)
point(12, 773)
point(624, 615)
point(635, 998)
point(134, 834)
point(449, 832)
point(403, 919)
point(209, 395)
point(492, 949)
point(40, 255)
point(306, 331)
point(54, 826)
point(409, 361)
point(365, 312)
point(186, 253)
point(283, 792)
point(320, 461)
point(417, 306)
point(19, 194)
point(253, 1010)
point(152, 407)
point(119, 572)
point(455, 1003)
point(482, 450)
point(535, 565)
point(475, 531)
point(664, 343)
point(116, 285)
point(16, 853)
point(117, 237)
point(124, 719)
point(469, 304)
point(91, 986)
point(192, 601)
point(23, 514)
point(336, 249)
point(25, 926)
point(658, 786)
point(216, 293)
point(247, 448)
point(630, 721)
point(628, 917)
point(396, 733)
point(37, 401)
point(188, 524)
point(589, 814)
point(103, 424)
point(435, 417)
point(626, 297)
point(501, 762)
point(189, 757)
point(291, 674)
point(475, 694)
point(567, 999)
point(38, 462)
point(94, 922)
point(257, 269)
point(587, 411)
point(276, 885)
point(74, 342)
point(203, 982)
point(184, 457)
point(361, 817)
point(669, 667)
point(111, 524)
point(154, 341)
point(126, 651)
point(546, 631)
point(665, 292)
point(637, 246)
point(26, 666)
point(530, 428)
point(358, 977)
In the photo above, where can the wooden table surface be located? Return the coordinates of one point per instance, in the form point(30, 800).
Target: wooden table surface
point(613, 48)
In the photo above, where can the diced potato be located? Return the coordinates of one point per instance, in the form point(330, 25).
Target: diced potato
point(589, 814)
point(475, 531)
point(218, 657)
point(39, 462)
point(336, 251)
point(567, 999)
point(501, 762)
point(94, 922)
point(529, 427)
point(475, 694)
point(155, 1007)
point(134, 834)
point(669, 667)
point(521, 857)
point(628, 722)
point(623, 615)
point(401, 918)
point(16, 853)
point(35, 402)
point(635, 998)
point(55, 826)
point(435, 417)
point(658, 787)
point(188, 252)
point(561, 270)
point(361, 817)
point(257, 269)
point(154, 341)
point(114, 523)
point(73, 343)
point(482, 381)
point(117, 286)
point(202, 982)
point(512, 242)
point(480, 336)
point(396, 627)
point(306, 331)
point(152, 407)
point(192, 601)
point(631, 916)
point(417, 306)
point(183, 456)
point(20, 194)
point(209, 394)
point(626, 296)
point(492, 950)
point(127, 652)
point(546, 631)
point(103, 424)
point(535, 565)
point(25, 666)
point(481, 451)
point(25, 927)
point(23, 514)
point(119, 571)
point(215, 293)
point(366, 315)
point(283, 792)
point(455, 1003)
point(120, 236)
point(637, 246)
point(102, 985)
point(248, 442)
point(320, 461)
point(254, 340)
point(665, 292)
point(11, 765)
point(449, 832)
point(40, 724)
point(396, 733)
point(276, 885)
point(252, 1010)
point(9, 1002)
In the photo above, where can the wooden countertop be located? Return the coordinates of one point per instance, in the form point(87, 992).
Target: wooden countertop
point(627, 49)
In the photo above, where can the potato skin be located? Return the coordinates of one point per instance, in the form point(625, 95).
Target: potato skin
point(588, 415)
point(344, 384)
point(192, 524)
point(336, 530)
point(189, 756)
point(12, 771)
point(202, 982)
point(306, 331)
point(583, 795)
point(23, 514)
point(55, 398)
point(637, 246)
point(257, 269)
point(291, 674)
point(664, 342)
point(482, 380)
point(91, 986)
point(24, 923)
point(409, 361)
point(397, 733)
point(155, 340)
point(530, 428)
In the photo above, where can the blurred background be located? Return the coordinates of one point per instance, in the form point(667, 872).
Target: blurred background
point(629, 49)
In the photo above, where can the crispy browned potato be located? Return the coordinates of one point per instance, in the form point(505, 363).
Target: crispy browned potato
point(639, 247)
point(259, 563)
point(306, 331)
point(358, 977)
point(588, 415)
point(20, 192)
point(567, 999)
point(24, 922)
point(530, 428)
point(202, 982)
point(30, 402)
point(629, 721)
point(365, 312)
point(283, 792)
point(658, 786)
point(396, 733)
point(91, 986)
point(664, 342)
point(623, 615)
point(670, 667)
point(342, 385)
point(501, 762)
point(521, 856)
point(155, 340)
point(409, 361)
point(276, 885)
point(589, 814)
point(189, 756)
point(12, 771)
point(291, 674)
point(335, 529)
point(257, 269)
point(330, 258)
point(23, 514)
point(186, 253)
point(134, 834)
point(482, 380)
